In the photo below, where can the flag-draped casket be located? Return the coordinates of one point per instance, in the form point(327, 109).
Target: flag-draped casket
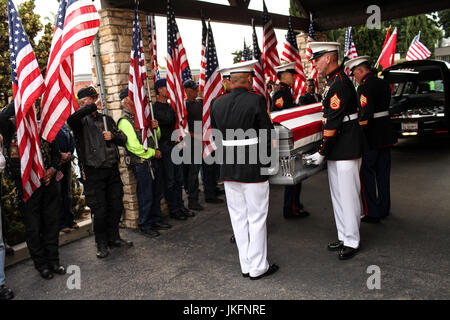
point(299, 132)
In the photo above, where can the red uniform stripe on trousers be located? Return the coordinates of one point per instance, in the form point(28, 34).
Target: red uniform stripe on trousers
point(293, 200)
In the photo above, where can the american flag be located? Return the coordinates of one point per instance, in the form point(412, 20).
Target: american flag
point(309, 54)
point(77, 23)
point(28, 85)
point(417, 50)
point(178, 71)
point(201, 84)
point(246, 56)
point(136, 82)
point(350, 49)
point(151, 28)
point(305, 122)
point(291, 54)
point(259, 83)
point(213, 86)
point(270, 58)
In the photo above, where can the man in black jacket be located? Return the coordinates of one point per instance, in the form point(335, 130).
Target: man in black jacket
point(310, 96)
point(99, 161)
point(172, 173)
point(5, 292)
point(66, 145)
point(41, 211)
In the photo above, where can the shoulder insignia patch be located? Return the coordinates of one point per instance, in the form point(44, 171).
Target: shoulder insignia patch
point(329, 133)
point(363, 100)
point(335, 102)
point(279, 102)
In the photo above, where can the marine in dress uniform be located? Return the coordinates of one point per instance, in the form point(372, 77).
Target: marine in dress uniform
point(374, 96)
point(343, 146)
point(246, 188)
point(282, 99)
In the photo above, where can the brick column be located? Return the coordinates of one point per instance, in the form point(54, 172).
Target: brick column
point(302, 38)
point(115, 37)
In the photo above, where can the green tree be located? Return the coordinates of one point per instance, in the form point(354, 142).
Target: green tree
point(238, 55)
point(409, 27)
point(33, 26)
point(295, 11)
point(443, 20)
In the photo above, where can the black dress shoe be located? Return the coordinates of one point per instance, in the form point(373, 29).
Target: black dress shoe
point(58, 269)
point(298, 215)
point(178, 216)
point(347, 253)
point(46, 274)
point(149, 233)
point(8, 250)
point(213, 200)
point(195, 206)
point(6, 293)
point(334, 246)
point(120, 243)
point(160, 226)
point(272, 269)
point(189, 214)
point(368, 219)
point(102, 250)
point(246, 275)
point(233, 239)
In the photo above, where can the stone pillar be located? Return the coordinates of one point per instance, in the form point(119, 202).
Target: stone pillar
point(302, 38)
point(115, 37)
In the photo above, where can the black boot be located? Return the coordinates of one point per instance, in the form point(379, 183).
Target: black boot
point(102, 250)
point(6, 293)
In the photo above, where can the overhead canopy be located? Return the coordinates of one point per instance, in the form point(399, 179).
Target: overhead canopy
point(328, 14)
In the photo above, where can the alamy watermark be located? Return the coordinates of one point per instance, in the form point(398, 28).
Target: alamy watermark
point(374, 20)
point(374, 280)
point(74, 280)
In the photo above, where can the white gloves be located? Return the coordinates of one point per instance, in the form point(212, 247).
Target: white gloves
point(315, 159)
point(2, 157)
point(2, 161)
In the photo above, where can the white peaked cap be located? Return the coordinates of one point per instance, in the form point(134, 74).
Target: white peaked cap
point(286, 67)
point(243, 67)
point(352, 63)
point(320, 48)
point(225, 72)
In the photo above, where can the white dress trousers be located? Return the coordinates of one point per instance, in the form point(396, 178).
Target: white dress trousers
point(345, 189)
point(248, 205)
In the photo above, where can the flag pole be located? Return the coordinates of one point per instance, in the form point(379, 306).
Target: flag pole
point(155, 131)
point(384, 49)
point(100, 79)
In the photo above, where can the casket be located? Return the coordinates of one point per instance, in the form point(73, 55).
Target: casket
point(299, 132)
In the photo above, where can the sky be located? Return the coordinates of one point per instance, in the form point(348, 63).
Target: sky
point(228, 37)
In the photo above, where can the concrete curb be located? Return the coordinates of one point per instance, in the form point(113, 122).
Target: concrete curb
point(21, 252)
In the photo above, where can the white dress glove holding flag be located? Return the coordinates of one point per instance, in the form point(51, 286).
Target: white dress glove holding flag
point(316, 158)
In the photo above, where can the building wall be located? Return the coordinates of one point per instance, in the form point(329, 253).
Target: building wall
point(115, 38)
